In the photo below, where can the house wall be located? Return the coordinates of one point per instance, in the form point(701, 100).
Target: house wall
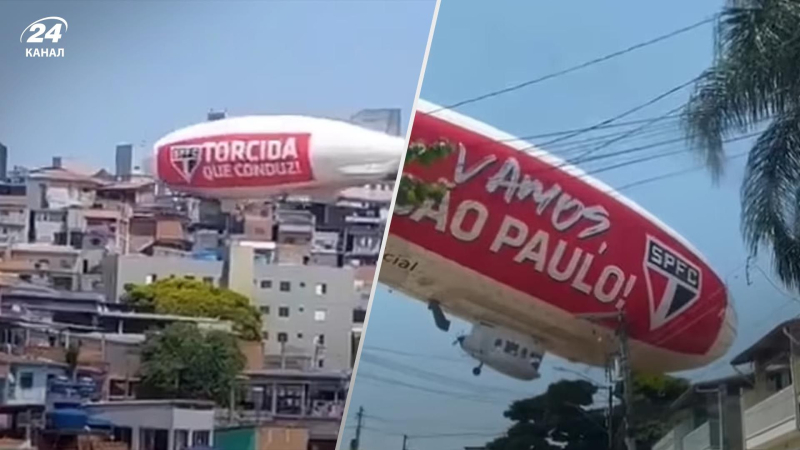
point(154, 416)
point(37, 393)
point(236, 438)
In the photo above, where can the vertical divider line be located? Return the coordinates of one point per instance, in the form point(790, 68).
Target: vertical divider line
point(386, 230)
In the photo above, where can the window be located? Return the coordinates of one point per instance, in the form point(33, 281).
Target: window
point(322, 288)
point(282, 337)
point(181, 441)
point(283, 311)
point(286, 286)
point(201, 438)
point(266, 284)
point(498, 343)
point(302, 284)
point(319, 315)
point(359, 315)
point(512, 348)
point(321, 339)
point(150, 279)
point(264, 310)
point(301, 308)
point(299, 335)
point(265, 335)
point(321, 363)
point(26, 380)
point(123, 434)
point(190, 277)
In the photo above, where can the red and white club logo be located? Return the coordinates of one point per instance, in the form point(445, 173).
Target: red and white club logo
point(673, 282)
point(185, 160)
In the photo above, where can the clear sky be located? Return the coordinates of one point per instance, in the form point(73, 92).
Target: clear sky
point(481, 46)
point(134, 71)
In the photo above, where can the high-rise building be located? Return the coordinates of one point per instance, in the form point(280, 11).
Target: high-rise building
point(216, 115)
point(124, 161)
point(3, 162)
point(384, 120)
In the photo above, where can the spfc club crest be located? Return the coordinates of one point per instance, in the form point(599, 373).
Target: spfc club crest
point(673, 282)
point(185, 159)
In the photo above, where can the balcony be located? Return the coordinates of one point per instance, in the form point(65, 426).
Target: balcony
point(699, 439)
point(668, 441)
point(771, 421)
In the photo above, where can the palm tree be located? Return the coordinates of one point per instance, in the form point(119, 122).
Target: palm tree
point(755, 81)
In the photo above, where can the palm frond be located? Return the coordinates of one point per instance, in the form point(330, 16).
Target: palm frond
point(770, 200)
point(755, 75)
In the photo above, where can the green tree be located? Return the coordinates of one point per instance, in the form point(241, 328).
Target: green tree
point(755, 80)
point(192, 298)
point(184, 362)
point(564, 417)
point(413, 191)
point(567, 417)
point(653, 396)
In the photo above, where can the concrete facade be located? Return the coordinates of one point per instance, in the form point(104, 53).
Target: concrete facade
point(164, 424)
point(308, 311)
point(119, 270)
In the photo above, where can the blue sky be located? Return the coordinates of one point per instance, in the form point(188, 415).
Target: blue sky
point(479, 46)
point(134, 71)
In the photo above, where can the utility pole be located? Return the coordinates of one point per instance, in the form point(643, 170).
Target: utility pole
point(623, 359)
point(405, 440)
point(610, 410)
point(627, 384)
point(354, 444)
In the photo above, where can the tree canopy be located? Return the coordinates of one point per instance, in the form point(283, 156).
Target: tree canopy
point(572, 415)
point(184, 362)
point(181, 296)
point(412, 191)
point(753, 85)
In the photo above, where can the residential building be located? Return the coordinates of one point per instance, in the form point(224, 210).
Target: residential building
point(311, 313)
point(57, 187)
point(292, 394)
point(14, 213)
point(121, 270)
point(158, 424)
point(770, 405)
point(307, 313)
point(43, 264)
point(708, 416)
point(757, 409)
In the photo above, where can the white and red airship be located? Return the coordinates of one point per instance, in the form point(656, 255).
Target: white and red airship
point(529, 249)
point(256, 157)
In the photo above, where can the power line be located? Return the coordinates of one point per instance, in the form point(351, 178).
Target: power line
point(579, 66)
point(628, 112)
point(435, 377)
point(416, 355)
point(453, 394)
point(573, 130)
point(673, 174)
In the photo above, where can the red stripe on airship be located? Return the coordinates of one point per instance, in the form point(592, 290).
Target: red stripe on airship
point(236, 160)
point(534, 227)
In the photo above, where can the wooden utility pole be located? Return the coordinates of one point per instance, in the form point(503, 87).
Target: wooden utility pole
point(354, 444)
point(623, 360)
